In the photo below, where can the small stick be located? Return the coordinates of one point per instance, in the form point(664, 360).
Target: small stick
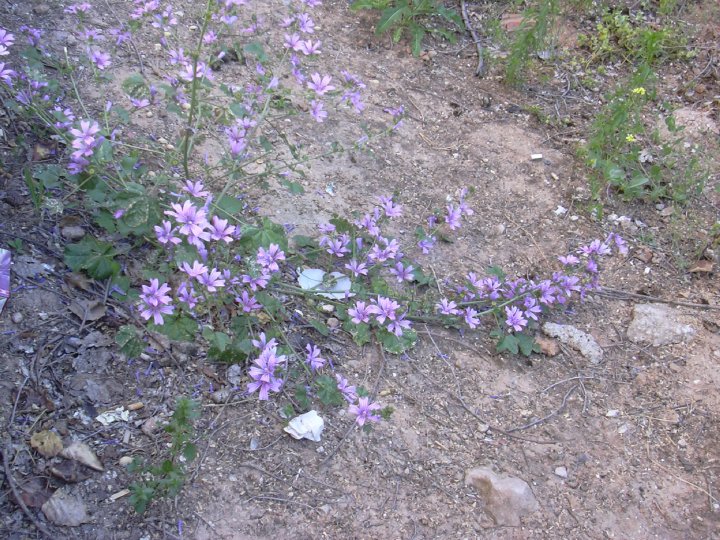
point(13, 487)
point(615, 293)
point(480, 70)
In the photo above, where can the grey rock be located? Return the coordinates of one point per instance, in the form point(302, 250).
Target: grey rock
point(658, 325)
point(506, 498)
point(577, 339)
point(65, 509)
point(72, 232)
point(235, 374)
point(561, 472)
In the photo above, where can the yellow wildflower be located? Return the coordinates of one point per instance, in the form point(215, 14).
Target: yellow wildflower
point(630, 137)
point(639, 90)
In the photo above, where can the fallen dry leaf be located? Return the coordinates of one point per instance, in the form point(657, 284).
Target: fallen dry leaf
point(70, 472)
point(703, 265)
point(82, 453)
point(35, 492)
point(88, 310)
point(47, 443)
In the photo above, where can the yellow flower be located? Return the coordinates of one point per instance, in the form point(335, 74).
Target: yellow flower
point(630, 137)
point(639, 90)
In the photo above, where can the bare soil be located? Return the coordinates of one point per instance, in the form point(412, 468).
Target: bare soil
point(638, 435)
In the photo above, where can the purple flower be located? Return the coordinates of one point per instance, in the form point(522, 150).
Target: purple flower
point(515, 319)
point(186, 294)
point(532, 308)
point(264, 371)
point(293, 41)
point(306, 24)
point(195, 189)
point(262, 342)
point(313, 357)
point(155, 301)
point(6, 39)
point(471, 318)
point(338, 247)
point(256, 283)
point(247, 302)
point(320, 84)
point(568, 260)
point(402, 273)
point(426, 244)
point(177, 56)
point(78, 8)
point(100, 59)
point(212, 280)
point(357, 268)
point(453, 217)
point(447, 307)
point(364, 411)
point(7, 74)
point(269, 258)
point(220, 230)
point(383, 308)
point(309, 48)
point(86, 133)
point(192, 219)
point(194, 271)
point(391, 210)
point(547, 291)
point(317, 110)
point(360, 313)
point(348, 392)
point(396, 326)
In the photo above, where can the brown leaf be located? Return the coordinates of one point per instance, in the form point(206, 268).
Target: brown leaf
point(41, 152)
point(70, 472)
point(82, 453)
point(703, 265)
point(47, 443)
point(88, 310)
point(35, 492)
point(78, 281)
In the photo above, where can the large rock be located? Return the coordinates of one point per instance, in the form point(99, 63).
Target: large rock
point(658, 324)
point(506, 499)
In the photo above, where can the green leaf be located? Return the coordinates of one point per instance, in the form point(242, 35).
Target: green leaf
point(394, 344)
point(130, 344)
point(50, 176)
point(417, 33)
point(508, 343)
point(320, 327)
point(255, 49)
point(294, 188)
point(302, 241)
point(527, 344)
point(391, 17)
point(190, 451)
point(135, 85)
point(328, 392)
point(92, 256)
point(177, 327)
point(302, 398)
point(359, 332)
point(140, 496)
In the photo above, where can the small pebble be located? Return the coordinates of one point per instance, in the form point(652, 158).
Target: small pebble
point(333, 323)
point(17, 317)
point(327, 308)
point(561, 472)
point(126, 460)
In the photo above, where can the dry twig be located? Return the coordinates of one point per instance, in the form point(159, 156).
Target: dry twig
point(480, 69)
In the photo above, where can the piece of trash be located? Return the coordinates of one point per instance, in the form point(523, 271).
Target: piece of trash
point(330, 188)
point(536, 157)
point(306, 426)
point(5, 259)
point(333, 285)
point(612, 413)
point(119, 414)
point(81, 452)
point(254, 443)
point(560, 210)
point(47, 443)
point(119, 494)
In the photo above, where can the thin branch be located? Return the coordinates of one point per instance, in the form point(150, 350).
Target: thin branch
point(624, 295)
point(480, 69)
point(549, 416)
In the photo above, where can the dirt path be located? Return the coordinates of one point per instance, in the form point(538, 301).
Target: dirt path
point(625, 448)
